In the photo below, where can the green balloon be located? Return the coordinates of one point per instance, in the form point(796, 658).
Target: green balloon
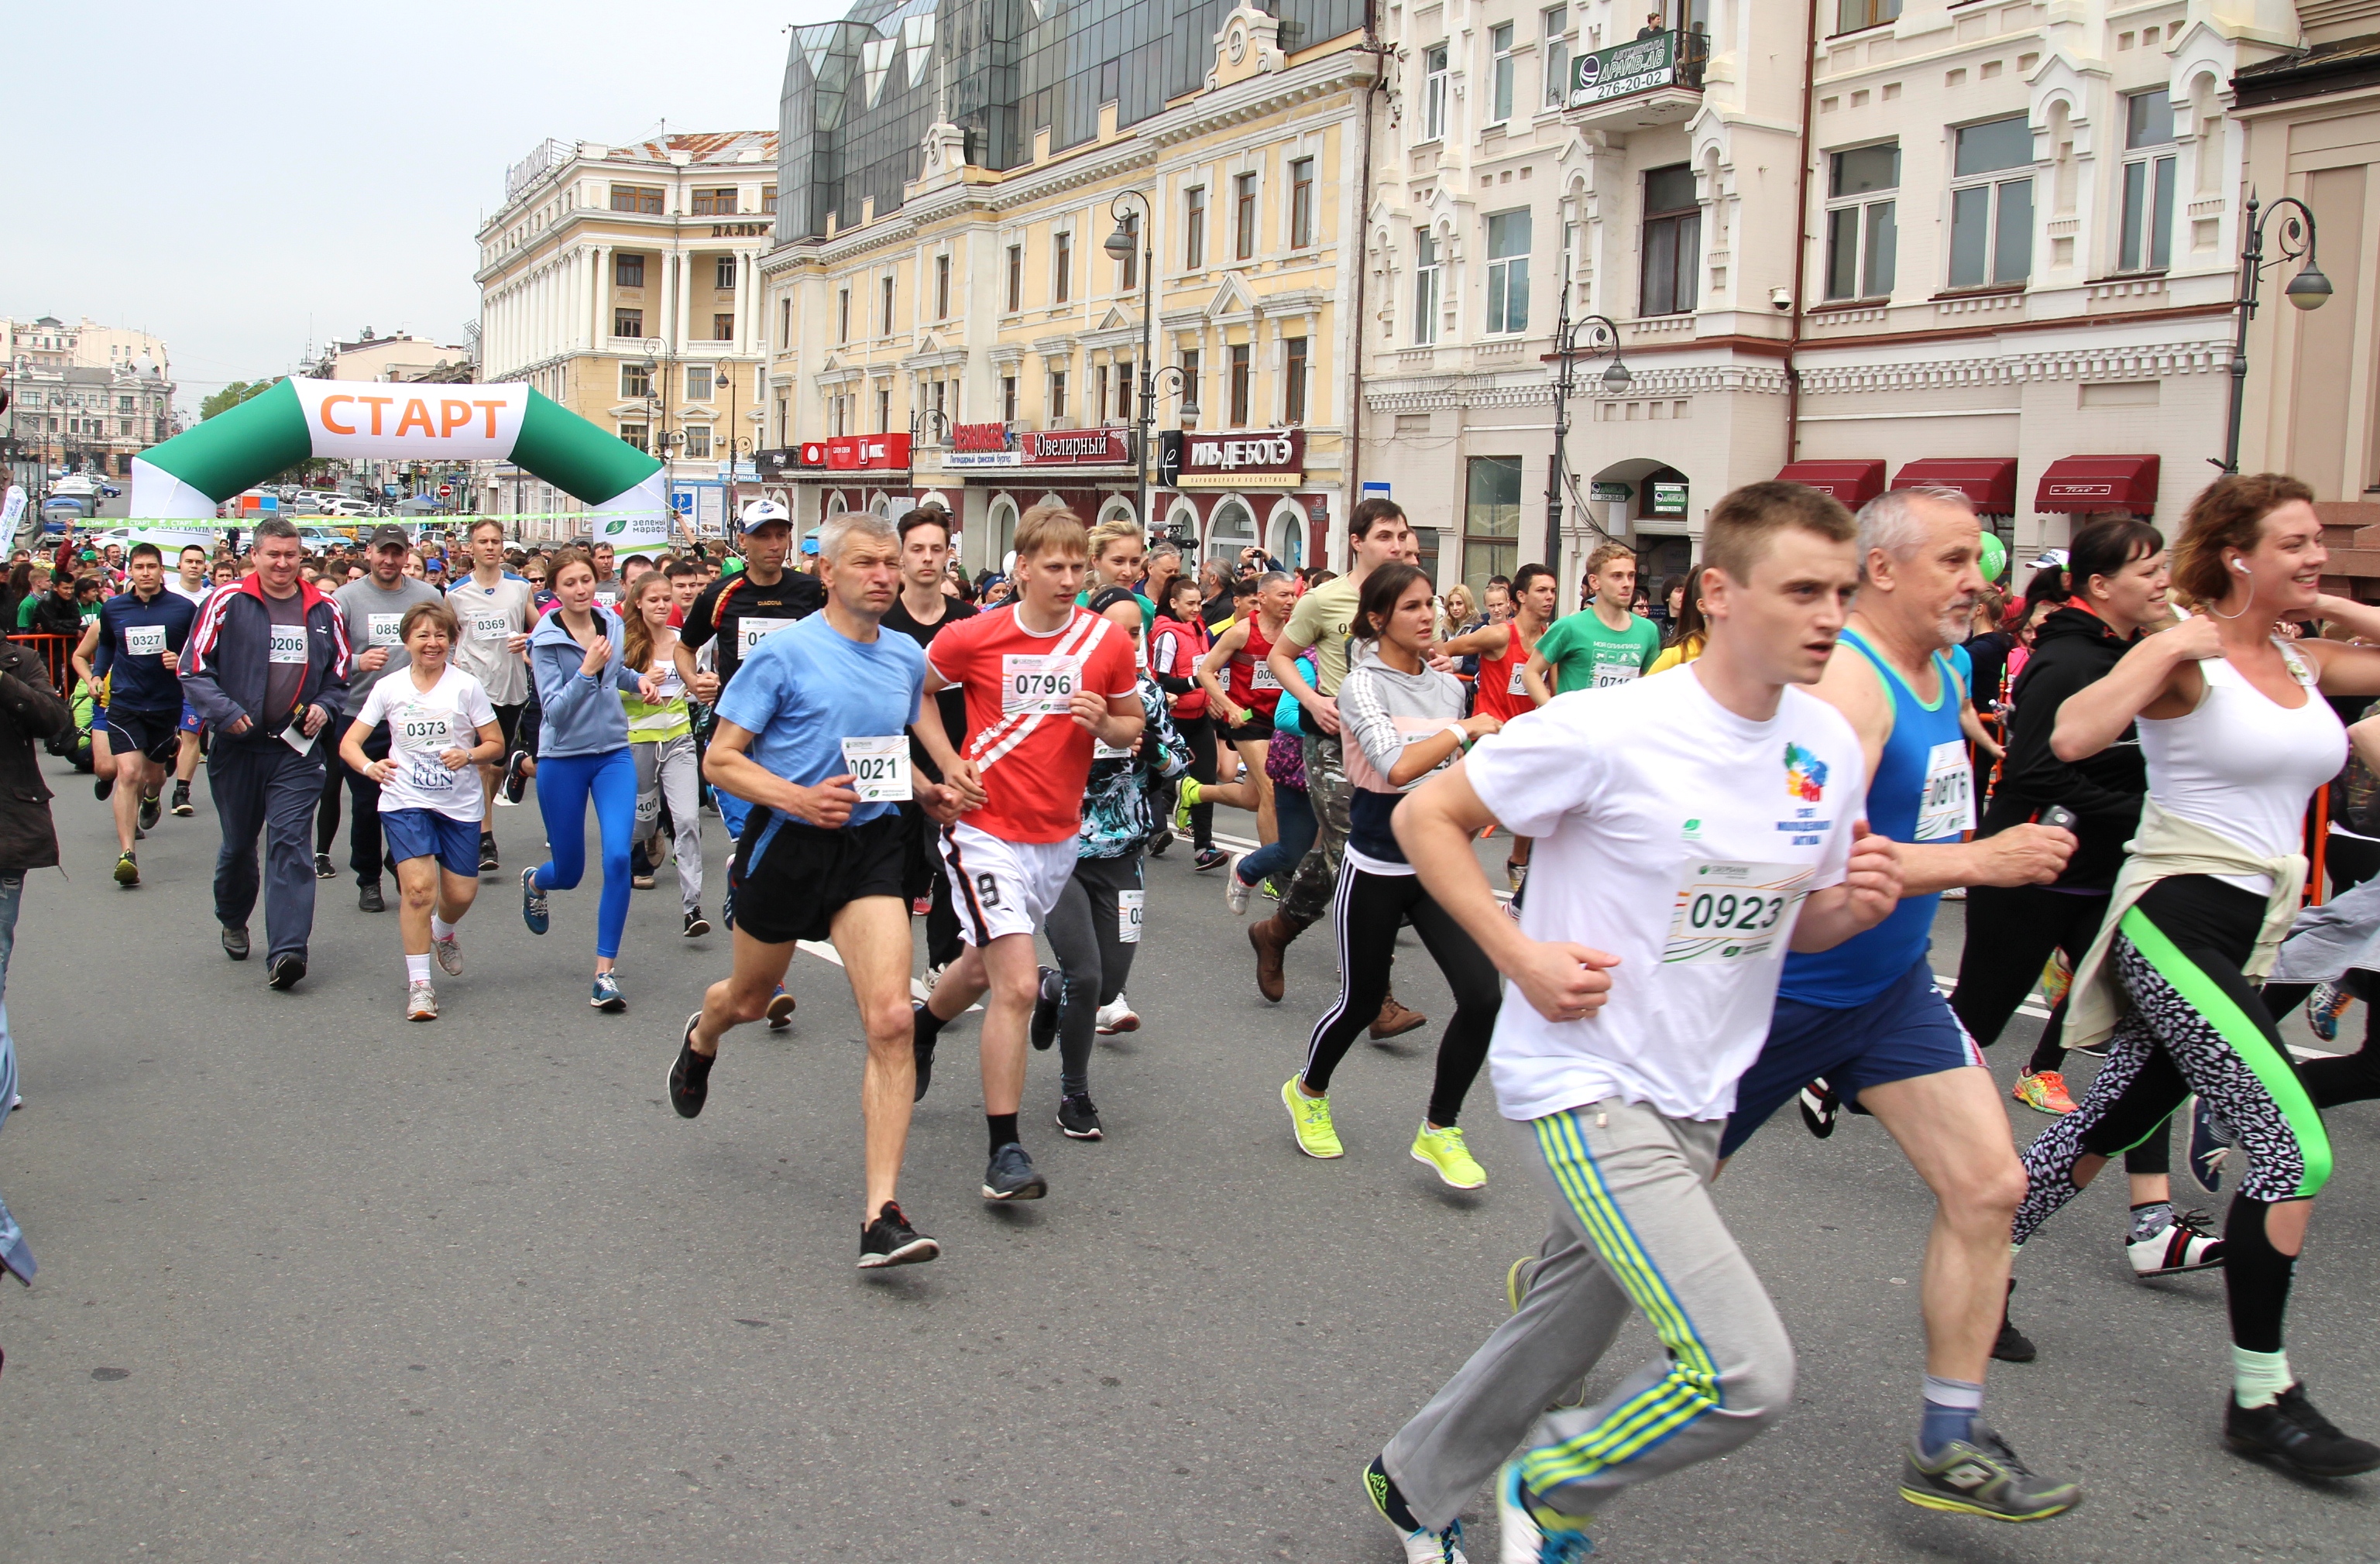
point(1995, 556)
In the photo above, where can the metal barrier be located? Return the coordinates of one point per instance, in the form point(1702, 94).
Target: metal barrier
point(58, 652)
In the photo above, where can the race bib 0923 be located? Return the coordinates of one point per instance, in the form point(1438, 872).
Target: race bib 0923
point(1732, 911)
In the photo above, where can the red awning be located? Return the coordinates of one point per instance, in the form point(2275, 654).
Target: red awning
point(1854, 483)
point(1989, 481)
point(2099, 483)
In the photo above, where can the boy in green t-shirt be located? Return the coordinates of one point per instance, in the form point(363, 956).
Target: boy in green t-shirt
point(1603, 643)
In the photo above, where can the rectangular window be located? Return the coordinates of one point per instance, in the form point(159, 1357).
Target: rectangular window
point(698, 440)
point(942, 287)
point(1191, 398)
point(785, 414)
point(2147, 240)
point(1557, 53)
point(884, 412)
point(1008, 399)
point(1240, 377)
point(1673, 242)
point(1016, 277)
point(645, 199)
point(715, 203)
point(1124, 391)
point(636, 382)
point(1508, 271)
point(1861, 233)
point(1099, 392)
point(1427, 275)
point(1991, 215)
point(1301, 203)
point(723, 273)
point(1057, 397)
point(843, 315)
point(1491, 521)
point(722, 327)
point(784, 324)
point(1294, 365)
point(1853, 15)
point(1062, 281)
point(1433, 93)
point(768, 200)
point(634, 434)
point(1500, 66)
point(1194, 228)
point(1128, 269)
point(697, 382)
point(628, 322)
point(628, 271)
point(1243, 216)
point(885, 288)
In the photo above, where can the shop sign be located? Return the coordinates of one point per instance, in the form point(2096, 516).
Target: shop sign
point(1210, 461)
point(1603, 489)
point(1624, 69)
point(1669, 499)
point(868, 452)
point(982, 445)
point(1077, 448)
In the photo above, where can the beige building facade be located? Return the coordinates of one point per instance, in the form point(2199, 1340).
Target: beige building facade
point(84, 396)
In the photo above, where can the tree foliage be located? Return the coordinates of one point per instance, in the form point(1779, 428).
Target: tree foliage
point(235, 394)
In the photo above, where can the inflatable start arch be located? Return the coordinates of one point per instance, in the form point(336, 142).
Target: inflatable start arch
point(190, 475)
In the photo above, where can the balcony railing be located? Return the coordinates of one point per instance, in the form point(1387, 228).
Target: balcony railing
point(1650, 63)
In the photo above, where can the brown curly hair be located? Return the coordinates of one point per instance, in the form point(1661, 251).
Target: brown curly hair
point(2228, 514)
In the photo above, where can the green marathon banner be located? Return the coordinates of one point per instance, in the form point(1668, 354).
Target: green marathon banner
point(188, 476)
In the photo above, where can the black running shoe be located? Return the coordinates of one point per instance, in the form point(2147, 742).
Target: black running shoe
point(369, 897)
point(488, 863)
point(182, 800)
point(235, 942)
point(891, 1241)
point(1209, 859)
point(1012, 1176)
point(689, 1080)
point(151, 807)
point(2013, 1345)
point(2295, 1437)
point(1819, 1106)
point(516, 780)
point(1078, 1117)
point(287, 971)
point(103, 788)
point(324, 867)
point(696, 926)
point(922, 1041)
point(1043, 1030)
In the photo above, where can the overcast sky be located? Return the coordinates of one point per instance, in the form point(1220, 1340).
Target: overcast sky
point(236, 178)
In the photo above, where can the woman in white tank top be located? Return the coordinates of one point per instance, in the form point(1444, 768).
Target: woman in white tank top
point(2237, 737)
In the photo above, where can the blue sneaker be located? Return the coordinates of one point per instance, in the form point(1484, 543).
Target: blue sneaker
point(2324, 1008)
point(2210, 1142)
point(1526, 1520)
point(534, 911)
point(607, 997)
point(780, 1010)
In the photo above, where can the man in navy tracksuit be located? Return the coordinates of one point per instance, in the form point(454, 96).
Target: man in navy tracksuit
point(135, 645)
point(267, 670)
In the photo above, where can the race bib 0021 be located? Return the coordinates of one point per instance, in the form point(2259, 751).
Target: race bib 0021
point(288, 643)
point(1949, 807)
point(1037, 685)
point(1732, 911)
point(144, 641)
point(1130, 904)
point(879, 767)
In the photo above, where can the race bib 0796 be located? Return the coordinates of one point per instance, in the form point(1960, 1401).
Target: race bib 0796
point(1729, 911)
point(288, 643)
point(879, 767)
point(1037, 684)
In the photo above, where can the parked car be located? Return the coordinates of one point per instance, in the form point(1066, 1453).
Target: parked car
point(346, 505)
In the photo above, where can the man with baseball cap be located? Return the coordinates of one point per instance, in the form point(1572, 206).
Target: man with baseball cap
point(742, 610)
point(371, 608)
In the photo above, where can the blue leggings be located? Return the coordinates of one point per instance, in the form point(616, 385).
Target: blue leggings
point(563, 785)
point(1292, 814)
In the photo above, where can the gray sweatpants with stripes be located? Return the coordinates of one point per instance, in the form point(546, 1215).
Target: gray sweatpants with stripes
point(1633, 1229)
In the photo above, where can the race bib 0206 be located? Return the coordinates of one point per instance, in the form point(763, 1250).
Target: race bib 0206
point(1037, 684)
point(879, 767)
point(1732, 911)
point(288, 643)
point(144, 641)
point(1130, 904)
point(1948, 807)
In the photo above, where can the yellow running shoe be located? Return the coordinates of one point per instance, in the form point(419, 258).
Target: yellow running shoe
point(1310, 1118)
point(1443, 1150)
point(1185, 801)
point(2044, 1091)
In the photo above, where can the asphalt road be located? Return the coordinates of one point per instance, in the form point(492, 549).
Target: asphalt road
point(319, 1284)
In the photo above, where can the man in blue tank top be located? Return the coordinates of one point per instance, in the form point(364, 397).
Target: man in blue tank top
point(1865, 1017)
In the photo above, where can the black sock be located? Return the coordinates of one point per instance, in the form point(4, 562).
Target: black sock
point(2256, 1278)
point(1391, 1500)
point(1003, 1127)
point(929, 1024)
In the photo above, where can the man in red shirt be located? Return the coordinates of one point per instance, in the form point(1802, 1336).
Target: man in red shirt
point(1043, 680)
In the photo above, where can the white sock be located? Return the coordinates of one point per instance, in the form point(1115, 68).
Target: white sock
point(416, 969)
point(440, 929)
point(2258, 1378)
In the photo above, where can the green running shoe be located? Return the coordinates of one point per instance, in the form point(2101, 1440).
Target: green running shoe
point(1310, 1117)
point(1980, 1476)
point(1186, 801)
point(1443, 1151)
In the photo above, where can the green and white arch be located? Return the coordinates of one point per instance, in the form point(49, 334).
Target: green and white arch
point(625, 490)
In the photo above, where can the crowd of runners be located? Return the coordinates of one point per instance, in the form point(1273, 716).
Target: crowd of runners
point(1728, 835)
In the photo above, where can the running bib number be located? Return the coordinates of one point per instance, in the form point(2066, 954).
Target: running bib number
point(379, 629)
point(288, 643)
point(1520, 684)
point(1129, 906)
point(144, 641)
point(1949, 807)
point(422, 732)
point(1038, 685)
point(1261, 676)
point(491, 627)
point(1732, 911)
point(750, 632)
point(879, 767)
point(1610, 674)
point(1102, 750)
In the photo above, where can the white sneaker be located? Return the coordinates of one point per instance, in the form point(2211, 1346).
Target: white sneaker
point(1117, 1017)
point(420, 1002)
point(1235, 890)
point(2183, 1244)
point(449, 951)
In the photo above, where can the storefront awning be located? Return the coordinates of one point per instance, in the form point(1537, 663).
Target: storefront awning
point(1989, 481)
point(1852, 482)
point(2099, 483)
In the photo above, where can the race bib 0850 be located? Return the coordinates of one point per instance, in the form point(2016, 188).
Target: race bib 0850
point(1037, 684)
point(879, 767)
point(379, 629)
point(1732, 911)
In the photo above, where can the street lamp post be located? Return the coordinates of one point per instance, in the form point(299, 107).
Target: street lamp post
point(1121, 247)
point(2308, 290)
point(1595, 336)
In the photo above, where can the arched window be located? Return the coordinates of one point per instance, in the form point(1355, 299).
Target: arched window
point(1231, 529)
point(1285, 534)
point(1004, 532)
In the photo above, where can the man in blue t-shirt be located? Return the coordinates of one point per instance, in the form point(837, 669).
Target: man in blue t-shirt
point(812, 735)
point(136, 645)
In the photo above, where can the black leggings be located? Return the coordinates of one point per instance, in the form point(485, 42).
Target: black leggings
point(1199, 734)
point(1368, 911)
point(1087, 934)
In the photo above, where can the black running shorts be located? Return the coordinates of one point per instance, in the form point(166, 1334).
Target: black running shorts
point(787, 879)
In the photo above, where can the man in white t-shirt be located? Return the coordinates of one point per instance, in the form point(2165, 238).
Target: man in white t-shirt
point(495, 612)
point(1688, 826)
point(188, 581)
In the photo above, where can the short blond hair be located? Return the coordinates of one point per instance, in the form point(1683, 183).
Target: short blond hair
point(1602, 556)
point(1108, 531)
point(1051, 528)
